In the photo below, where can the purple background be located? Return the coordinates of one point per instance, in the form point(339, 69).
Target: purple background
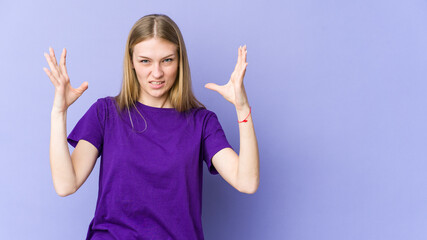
point(337, 89)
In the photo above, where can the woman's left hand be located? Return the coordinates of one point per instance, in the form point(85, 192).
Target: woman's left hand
point(234, 91)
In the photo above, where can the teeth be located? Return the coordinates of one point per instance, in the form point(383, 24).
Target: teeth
point(157, 83)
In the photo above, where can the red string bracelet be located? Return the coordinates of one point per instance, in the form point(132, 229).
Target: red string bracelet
point(245, 120)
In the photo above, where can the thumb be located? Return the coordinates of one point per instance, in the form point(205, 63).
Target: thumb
point(212, 86)
point(83, 87)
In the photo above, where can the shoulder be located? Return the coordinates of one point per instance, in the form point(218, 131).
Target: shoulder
point(103, 105)
point(206, 118)
point(203, 113)
point(105, 102)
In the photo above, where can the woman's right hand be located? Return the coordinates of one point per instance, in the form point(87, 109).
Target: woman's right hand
point(65, 94)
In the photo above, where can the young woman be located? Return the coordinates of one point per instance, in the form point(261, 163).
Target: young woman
point(152, 138)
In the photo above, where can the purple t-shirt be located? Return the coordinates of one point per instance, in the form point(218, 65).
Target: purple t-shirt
point(150, 179)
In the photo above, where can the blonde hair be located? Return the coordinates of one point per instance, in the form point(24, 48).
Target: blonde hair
point(161, 26)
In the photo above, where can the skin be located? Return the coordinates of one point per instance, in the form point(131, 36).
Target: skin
point(68, 172)
point(234, 90)
point(65, 94)
point(159, 63)
point(241, 171)
point(155, 59)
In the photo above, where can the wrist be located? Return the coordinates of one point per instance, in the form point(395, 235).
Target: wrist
point(242, 106)
point(243, 113)
point(55, 113)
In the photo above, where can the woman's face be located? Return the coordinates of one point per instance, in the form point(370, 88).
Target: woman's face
point(155, 61)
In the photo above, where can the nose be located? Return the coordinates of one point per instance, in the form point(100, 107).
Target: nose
point(157, 71)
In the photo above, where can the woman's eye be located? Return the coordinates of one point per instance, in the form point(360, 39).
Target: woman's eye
point(144, 61)
point(168, 60)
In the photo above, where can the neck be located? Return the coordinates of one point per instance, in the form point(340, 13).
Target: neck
point(165, 103)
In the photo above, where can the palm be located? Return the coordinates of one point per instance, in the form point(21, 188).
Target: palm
point(65, 94)
point(234, 90)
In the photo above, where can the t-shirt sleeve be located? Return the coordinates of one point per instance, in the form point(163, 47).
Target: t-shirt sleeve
point(90, 127)
point(213, 140)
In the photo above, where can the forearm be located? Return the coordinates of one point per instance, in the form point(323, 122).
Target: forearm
point(64, 179)
point(248, 167)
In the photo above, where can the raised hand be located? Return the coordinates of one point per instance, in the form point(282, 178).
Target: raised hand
point(65, 94)
point(234, 90)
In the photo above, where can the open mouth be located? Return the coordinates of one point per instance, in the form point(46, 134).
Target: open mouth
point(157, 82)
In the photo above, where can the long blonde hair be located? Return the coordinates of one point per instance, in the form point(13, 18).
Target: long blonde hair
point(161, 26)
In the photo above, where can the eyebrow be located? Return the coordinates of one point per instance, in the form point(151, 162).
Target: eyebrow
point(170, 55)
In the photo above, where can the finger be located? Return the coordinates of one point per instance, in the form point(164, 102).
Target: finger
point(52, 55)
point(52, 67)
point(62, 59)
point(213, 86)
point(62, 63)
point(242, 64)
point(245, 53)
point(51, 77)
point(241, 55)
point(240, 73)
point(244, 70)
point(238, 59)
point(83, 87)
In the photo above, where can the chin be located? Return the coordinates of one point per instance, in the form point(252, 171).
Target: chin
point(158, 94)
